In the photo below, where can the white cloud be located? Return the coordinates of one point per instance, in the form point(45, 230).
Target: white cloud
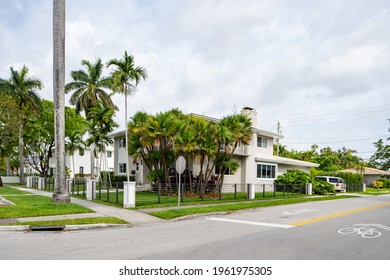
point(287, 59)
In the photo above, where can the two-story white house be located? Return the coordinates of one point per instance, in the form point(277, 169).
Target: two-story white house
point(86, 163)
point(257, 164)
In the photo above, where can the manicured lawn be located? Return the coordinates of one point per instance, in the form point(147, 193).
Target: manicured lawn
point(27, 205)
point(373, 191)
point(174, 213)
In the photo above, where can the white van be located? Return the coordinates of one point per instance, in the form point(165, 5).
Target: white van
point(337, 182)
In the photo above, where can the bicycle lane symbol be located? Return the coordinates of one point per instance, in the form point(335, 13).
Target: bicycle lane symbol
point(364, 230)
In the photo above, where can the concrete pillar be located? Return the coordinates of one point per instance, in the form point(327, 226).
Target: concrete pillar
point(364, 187)
point(251, 191)
point(91, 189)
point(128, 194)
point(309, 189)
point(29, 182)
point(41, 183)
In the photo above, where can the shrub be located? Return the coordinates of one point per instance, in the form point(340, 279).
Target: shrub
point(322, 187)
point(386, 182)
point(378, 184)
point(293, 177)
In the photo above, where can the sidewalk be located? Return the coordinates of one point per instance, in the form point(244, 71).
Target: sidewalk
point(134, 217)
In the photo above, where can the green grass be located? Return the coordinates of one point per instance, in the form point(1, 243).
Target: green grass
point(80, 221)
point(7, 191)
point(174, 213)
point(36, 205)
point(373, 191)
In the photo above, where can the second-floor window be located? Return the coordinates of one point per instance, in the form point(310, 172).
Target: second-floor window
point(122, 168)
point(122, 142)
point(261, 142)
point(109, 154)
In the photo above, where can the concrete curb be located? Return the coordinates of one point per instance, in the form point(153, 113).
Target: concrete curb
point(67, 227)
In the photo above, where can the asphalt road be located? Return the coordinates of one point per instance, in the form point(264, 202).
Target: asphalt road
point(309, 231)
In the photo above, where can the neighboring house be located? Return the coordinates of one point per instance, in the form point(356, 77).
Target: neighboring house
point(257, 163)
point(369, 174)
point(85, 163)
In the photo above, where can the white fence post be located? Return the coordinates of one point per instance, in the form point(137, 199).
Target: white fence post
point(128, 194)
point(91, 189)
point(29, 182)
point(41, 183)
point(251, 191)
point(364, 187)
point(309, 189)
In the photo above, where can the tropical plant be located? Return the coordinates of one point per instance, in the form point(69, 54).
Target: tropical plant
point(24, 91)
point(89, 88)
point(101, 124)
point(126, 77)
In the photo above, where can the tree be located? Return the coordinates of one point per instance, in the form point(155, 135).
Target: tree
point(23, 90)
point(89, 88)
point(75, 128)
point(9, 123)
point(101, 124)
point(126, 77)
point(232, 131)
point(381, 158)
point(60, 192)
point(39, 138)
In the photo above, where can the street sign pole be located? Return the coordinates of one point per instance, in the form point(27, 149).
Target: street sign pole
point(180, 167)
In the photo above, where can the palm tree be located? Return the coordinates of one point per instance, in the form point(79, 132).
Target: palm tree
point(101, 124)
point(73, 143)
point(60, 192)
point(126, 77)
point(23, 91)
point(89, 87)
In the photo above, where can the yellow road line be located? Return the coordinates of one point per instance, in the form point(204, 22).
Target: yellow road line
point(327, 217)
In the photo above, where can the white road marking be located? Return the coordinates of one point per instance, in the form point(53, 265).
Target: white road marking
point(299, 212)
point(250, 223)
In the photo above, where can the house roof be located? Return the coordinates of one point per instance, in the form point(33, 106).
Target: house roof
point(289, 161)
point(366, 171)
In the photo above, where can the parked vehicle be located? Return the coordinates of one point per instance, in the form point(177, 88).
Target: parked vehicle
point(337, 182)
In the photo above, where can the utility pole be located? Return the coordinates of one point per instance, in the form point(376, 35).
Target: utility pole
point(277, 141)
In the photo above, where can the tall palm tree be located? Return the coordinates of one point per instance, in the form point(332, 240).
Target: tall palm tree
point(126, 77)
point(89, 87)
point(23, 91)
point(60, 192)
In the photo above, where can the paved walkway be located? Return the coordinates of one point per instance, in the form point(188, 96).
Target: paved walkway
point(134, 217)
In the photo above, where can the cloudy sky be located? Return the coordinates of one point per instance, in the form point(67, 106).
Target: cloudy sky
point(321, 68)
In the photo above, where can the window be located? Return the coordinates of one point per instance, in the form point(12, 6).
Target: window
point(261, 142)
point(137, 166)
point(227, 171)
point(122, 168)
point(122, 142)
point(81, 169)
point(109, 154)
point(266, 171)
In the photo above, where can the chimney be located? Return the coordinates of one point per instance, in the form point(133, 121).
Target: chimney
point(251, 114)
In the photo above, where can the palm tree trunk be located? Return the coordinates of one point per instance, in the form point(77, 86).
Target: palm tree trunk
point(60, 193)
point(22, 179)
point(126, 138)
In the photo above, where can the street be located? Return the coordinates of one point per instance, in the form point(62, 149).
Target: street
point(345, 229)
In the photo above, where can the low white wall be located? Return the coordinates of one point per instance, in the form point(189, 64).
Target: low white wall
point(10, 179)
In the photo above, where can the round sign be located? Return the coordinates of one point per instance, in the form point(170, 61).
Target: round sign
point(180, 164)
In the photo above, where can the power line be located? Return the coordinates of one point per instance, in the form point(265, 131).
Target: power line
point(335, 142)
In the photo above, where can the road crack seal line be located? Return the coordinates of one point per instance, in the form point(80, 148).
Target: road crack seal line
point(339, 214)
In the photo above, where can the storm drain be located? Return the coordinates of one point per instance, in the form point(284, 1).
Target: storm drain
point(51, 228)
